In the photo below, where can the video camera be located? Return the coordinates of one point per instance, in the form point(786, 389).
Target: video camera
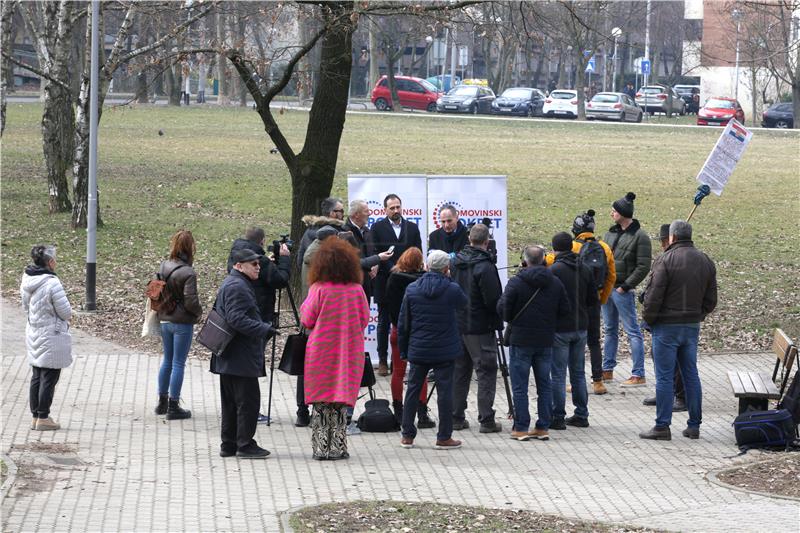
point(275, 247)
point(486, 221)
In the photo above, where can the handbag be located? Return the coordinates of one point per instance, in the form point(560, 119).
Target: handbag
point(368, 377)
point(507, 331)
point(152, 325)
point(294, 354)
point(215, 334)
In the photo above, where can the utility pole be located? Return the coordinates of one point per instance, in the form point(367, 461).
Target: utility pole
point(91, 216)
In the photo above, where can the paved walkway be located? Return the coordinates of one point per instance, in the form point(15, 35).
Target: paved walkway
point(116, 466)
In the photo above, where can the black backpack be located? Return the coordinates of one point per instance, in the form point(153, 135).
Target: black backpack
point(593, 257)
point(765, 429)
point(377, 417)
point(791, 399)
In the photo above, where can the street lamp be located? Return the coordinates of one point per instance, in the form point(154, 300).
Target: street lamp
point(616, 32)
point(428, 41)
point(737, 17)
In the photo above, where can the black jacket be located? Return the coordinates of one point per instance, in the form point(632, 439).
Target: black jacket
point(536, 326)
point(368, 257)
point(426, 329)
point(581, 291)
point(382, 238)
point(244, 355)
point(271, 277)
point(477, 276)
point(682, 288)
point(396, 290)
point(449, 242)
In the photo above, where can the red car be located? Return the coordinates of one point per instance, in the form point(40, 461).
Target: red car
point(718, 111)
point(414, 93)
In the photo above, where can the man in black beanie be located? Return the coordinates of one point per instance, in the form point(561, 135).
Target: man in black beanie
point(632, 257)
point(570, 338)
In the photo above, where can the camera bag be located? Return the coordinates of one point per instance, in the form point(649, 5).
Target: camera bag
point(377, 417)
point(765, 429)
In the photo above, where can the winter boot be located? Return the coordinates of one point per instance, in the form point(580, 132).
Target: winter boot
point(423, 420)
point(397, 407)
point(161, 408)
point(175, 412)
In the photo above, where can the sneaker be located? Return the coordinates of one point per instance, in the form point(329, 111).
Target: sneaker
point(262, 419)
point(656, 433)
point(577, 421)
point(598, 387)
point(226, 452)
point(539, 434)
point(458, 425)
point(253, 451)
point(496, 428)
point(352, 429)
point(33, 423)
point(449, 444)
point(679, 405)
point(303, 419)
point(46, 424)
point(634, 381)
point(691, 433)
point(521, 436)
point(608, 375)
point(558, 423)
point(406, 442)
point(383, 369)
point(649, 401)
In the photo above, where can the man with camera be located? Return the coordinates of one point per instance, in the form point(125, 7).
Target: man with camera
point(272, 275)
point(476, 274)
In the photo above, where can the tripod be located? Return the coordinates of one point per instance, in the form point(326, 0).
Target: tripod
point(277, 326)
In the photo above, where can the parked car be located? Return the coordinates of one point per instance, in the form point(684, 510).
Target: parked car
point(653, 99)
point(443, 83)
point(718, 111)
point(415, 93)
point(561, 103)
point(466, 99)
point(522, 101)
point(691, 95)
point(613, 106)
point(780, 115)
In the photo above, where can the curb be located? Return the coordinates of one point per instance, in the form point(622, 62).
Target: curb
point(286, 514)
point(712, 477)
point(10, 476)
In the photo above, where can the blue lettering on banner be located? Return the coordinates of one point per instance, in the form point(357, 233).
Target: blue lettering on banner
point(496, 222)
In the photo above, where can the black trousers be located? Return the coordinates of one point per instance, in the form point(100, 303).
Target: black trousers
point(384, 325)
point(302, 407)
point(43, 385)
point(241, 400)
point(593, 342)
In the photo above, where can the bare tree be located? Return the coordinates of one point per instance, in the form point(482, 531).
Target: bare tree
point(7, 8)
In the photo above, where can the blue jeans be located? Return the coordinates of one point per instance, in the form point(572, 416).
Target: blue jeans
point(417, 374)
point(622, 306)
point(677, 344)
point(522, 359)
point(176, 339)
point(568, 352)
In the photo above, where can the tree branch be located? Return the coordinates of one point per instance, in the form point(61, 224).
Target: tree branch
point(35, 70)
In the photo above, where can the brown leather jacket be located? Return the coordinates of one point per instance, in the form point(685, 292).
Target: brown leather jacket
point(183, 284)
point(683, 286)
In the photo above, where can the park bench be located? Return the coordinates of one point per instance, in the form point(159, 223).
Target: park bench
point(756, 389)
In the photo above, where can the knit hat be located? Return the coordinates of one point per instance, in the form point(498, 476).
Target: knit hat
point(326, 231)
point(664, 233)
point(562, 242)
point(583, 223)
point(624, 206)
point(438, 260)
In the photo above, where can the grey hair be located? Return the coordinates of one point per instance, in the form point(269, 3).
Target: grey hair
point(478, 234)
point(682, 231)
point(327, 205)
point(451, 208)
point(42, 254)
point(357, 205)
point(533, 254)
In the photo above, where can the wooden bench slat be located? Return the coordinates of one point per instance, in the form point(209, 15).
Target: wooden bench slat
point(736, 383)
point(758, 383)
point(752, 385)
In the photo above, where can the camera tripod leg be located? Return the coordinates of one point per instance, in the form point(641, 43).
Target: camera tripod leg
point(502, 364)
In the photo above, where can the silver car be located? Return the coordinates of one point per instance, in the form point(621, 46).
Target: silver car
point(613, 106)
point(653, 99)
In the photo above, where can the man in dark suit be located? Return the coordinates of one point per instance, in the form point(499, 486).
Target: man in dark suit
point(392, 231)
point(357, 225)
point(452, 236)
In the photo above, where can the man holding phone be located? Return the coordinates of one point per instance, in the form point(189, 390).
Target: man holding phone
point(397, 234)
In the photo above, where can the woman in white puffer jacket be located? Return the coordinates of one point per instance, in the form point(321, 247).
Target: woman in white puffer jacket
point(47, 334)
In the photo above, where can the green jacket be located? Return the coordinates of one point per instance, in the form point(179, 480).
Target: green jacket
point(632, 254)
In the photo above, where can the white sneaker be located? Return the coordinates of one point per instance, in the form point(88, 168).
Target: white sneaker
point(352, 429)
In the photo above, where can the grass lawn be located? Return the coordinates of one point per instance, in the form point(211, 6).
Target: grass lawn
point(211, 172)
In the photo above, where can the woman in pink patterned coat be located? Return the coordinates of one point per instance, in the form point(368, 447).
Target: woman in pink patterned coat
point(335, 313)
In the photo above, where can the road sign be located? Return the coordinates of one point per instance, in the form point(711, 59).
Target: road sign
point(591, 65)
point(645, 65)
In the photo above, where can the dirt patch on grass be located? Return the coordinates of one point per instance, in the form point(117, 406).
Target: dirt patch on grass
point(46, 447)
point(780, 476)
point(428, 517)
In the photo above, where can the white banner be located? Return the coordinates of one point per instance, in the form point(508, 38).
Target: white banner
point(723, 158)
point(373, 188)
point(476, 198)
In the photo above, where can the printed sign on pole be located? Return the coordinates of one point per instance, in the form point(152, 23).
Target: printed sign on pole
point(723, 158)
point(645, 66)
point(590, 67)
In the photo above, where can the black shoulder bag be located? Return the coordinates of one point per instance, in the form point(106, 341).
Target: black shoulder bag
point(215, 334)
point(507, 332)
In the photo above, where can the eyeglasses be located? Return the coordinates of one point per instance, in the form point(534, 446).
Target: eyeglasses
point(255, 264)
point(338, 210)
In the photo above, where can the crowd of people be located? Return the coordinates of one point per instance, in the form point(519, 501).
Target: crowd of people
point(444, 317)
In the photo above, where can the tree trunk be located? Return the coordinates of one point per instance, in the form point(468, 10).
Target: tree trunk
point(796, 102)
point(80, 165)
point(172, 84)
point(562, 66)
point(222, 64)
point(6, 72)
point(374, 72)
point(58, 124)
point(540, 62)
point(754, 82)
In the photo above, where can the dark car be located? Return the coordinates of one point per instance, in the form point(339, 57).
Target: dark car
point(522, 101)
point(691, 95)
point(780, 115)
point(466, 99)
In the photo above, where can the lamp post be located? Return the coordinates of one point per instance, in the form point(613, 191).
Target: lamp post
point(616, 32)
point(428, 41)
point(737, 17)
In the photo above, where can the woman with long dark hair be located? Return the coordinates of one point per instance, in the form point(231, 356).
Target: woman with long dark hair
point(335, 312)
point(177, 325)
